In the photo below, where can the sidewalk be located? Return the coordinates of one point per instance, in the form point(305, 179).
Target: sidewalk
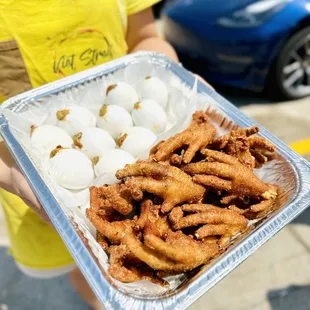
point(276, 277)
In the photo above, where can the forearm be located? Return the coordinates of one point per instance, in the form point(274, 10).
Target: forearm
point(6, 162)
point(156, 44)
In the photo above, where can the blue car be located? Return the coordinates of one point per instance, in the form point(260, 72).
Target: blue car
point(252, 44)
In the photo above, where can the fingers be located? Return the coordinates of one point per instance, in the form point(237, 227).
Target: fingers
point(176, 215)
point(261, 143)
point(169, 146)
point(174, 253)
point(113, 231)
point(199, 208)
point(192, 220)
point(211, 168)
point(190, 152)
point(220, 216)
point(221, 142)
point(263, 205)
point(212, 230)
point(143, 168)
point(146, 207)
point(119, 203)
point(237, 210)
point(149, 256)
point(212, 181)
point(228, 199)
point(156, 187)
point(169, 204)
point(251, 131)
point(219, 157)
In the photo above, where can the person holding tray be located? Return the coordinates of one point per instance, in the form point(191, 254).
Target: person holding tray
point(40, 43)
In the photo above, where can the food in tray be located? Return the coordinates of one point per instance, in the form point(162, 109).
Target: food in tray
point(74, 119)
point(252, 151)
point(178, 209)
point(111, 161)
point(153, 88)
point(122, 94)
point(93, 142)
point(114, 119)
point(199, 134)
point(182, 207)
point(71, 168)
point(48, 137)
point(149, 114)
point(135, 140)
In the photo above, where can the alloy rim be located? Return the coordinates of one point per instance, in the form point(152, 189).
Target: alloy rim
point(296, 71)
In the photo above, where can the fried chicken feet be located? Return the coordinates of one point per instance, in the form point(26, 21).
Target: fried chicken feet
point(159, 261)
point(225, 172)
point(216, 221)
point(115, 197)
point(168, 182)
point(252, 151)
point(260, 208)
point(124, 266)
point(181, 208)
point(197, 136)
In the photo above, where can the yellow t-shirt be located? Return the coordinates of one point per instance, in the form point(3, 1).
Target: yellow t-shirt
point(59, 38)
point(55, 38)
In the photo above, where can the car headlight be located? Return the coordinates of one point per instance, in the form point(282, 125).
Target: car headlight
point(253, 15)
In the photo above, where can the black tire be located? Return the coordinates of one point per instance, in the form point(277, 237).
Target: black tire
point(293, 52)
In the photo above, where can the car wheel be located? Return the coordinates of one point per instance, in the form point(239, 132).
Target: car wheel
point(290, 75)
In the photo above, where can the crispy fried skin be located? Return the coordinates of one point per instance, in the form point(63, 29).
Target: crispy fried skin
point(102, 240)
point(146, 209)
point(147, 242)
point(197, 136)
point(261, 208)
point(225, 231)
point(236, 143)
point(174, 245)
point(158, 261)
point(151, 221)
point(176, 215)
point(231, 175)
point(119, 198)
point(212, 216)
point(250, 150)
point(168, 182)
point(156, 223)
point(121, 267)
point(101, 206)
point(107, 198)
point(220, 222)
point(112, 230)
point(98, 201)
point(200, 207)
point(228, 199)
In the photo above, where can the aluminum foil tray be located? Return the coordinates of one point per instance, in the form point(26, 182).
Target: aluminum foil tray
point(288, 170)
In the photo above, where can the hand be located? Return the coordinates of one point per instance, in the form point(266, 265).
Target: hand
point(13, 181)
point(23, 190)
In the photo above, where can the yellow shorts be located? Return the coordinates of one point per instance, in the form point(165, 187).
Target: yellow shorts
point(34, 244)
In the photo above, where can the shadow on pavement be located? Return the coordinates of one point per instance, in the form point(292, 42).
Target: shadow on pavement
point(18, 291)
point(304, 219)
point(291, 298)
